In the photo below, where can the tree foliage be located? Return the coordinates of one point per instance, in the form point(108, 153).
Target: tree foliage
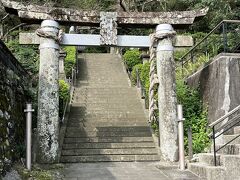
point(70, 60)
point(132, 58)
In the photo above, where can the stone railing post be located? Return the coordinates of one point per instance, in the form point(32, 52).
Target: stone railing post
point(48, 94)
point(62, 55)
point(167, 101)
point(145, 58)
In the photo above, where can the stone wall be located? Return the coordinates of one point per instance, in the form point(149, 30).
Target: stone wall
point(219, 84)
point(13, 97)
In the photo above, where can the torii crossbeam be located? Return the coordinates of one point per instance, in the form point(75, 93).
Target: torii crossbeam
point(36, 14)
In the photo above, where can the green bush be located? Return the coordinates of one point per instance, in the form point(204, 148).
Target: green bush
point(195, 115)
point(136, 68)
point(70, 60)
point(64, 94)
point(132, 58)
point(144, 76)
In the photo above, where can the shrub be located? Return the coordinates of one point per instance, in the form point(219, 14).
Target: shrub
point(136, 68)
point(195, 115)
point(63, 95)
point(70, 60)
point(144, 76)
point(132, 58)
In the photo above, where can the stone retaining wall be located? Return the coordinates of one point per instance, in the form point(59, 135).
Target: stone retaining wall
point(13, 97)
point(219, 84)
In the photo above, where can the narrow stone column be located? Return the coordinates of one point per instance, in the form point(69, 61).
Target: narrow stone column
point(48, 94)
point(62, 56)
point(167, 101)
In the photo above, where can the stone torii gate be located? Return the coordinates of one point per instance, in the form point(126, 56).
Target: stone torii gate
point(50, 37)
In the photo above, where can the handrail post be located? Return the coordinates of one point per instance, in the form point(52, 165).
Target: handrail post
point(190, 150)
point(72, 77)
point(225, 48)
point(191, 54)
point(137, 78)
point(214, 146)
point(181, 137)
point(28, 112)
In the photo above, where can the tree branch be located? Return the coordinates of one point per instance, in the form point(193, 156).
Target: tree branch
point(19, 25)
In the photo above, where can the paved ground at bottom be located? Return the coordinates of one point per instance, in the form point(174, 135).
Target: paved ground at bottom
point(124, 171)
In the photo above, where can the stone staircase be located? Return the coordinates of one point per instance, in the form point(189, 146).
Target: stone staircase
point(106, 121)
point(228, 160)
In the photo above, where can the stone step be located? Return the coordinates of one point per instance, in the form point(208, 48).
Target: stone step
point(132, 151)
point(109, 158)
point(105, 85)
point(110, 91)
point(237, 130)
point(106, 124)
point(113, 120)
point(207, 171)
point(97, 145)
point(232, 166)
point(208, 159)
point(106, 121)
point(108, 134)
point(111, 97)
point(105, 118)
point(107, 114)
point(104, 111)
point(109, 104)
point(228, 138)
point(104, 89)
point(233, 149)
point(109, 139)
point(103, 122)
point(105, 108)
point(109, 129)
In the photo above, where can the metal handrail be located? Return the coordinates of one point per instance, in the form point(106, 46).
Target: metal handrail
point(224, 128)
point(224, 117)
point(224, 41)
point(200, 42)
point(71, 90)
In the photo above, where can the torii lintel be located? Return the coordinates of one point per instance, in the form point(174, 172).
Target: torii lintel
point(65, 16)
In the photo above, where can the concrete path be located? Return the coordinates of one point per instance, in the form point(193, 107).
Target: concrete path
point(124, 171)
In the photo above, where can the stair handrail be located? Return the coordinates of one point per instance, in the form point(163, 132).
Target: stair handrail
point(224, 117)
point(142, 89)
point(217, 132)
point(183, 60)
point(72, 83)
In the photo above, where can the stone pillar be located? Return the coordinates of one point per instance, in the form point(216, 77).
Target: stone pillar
point(167, 101)
point(48, 94)
point(62, 56)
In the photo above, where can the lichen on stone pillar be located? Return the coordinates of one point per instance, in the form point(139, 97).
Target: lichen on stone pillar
point(167, 101)
point(48, 94)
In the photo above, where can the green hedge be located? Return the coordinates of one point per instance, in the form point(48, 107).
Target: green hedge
point(64, 94)
point(70, 60)
point(132, 58)
point(134, 73)
point(144, 76)
point(195, 114)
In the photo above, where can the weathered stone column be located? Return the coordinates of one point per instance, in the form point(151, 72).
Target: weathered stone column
point(62, 56)
point(48, 98)
point(167, 101)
